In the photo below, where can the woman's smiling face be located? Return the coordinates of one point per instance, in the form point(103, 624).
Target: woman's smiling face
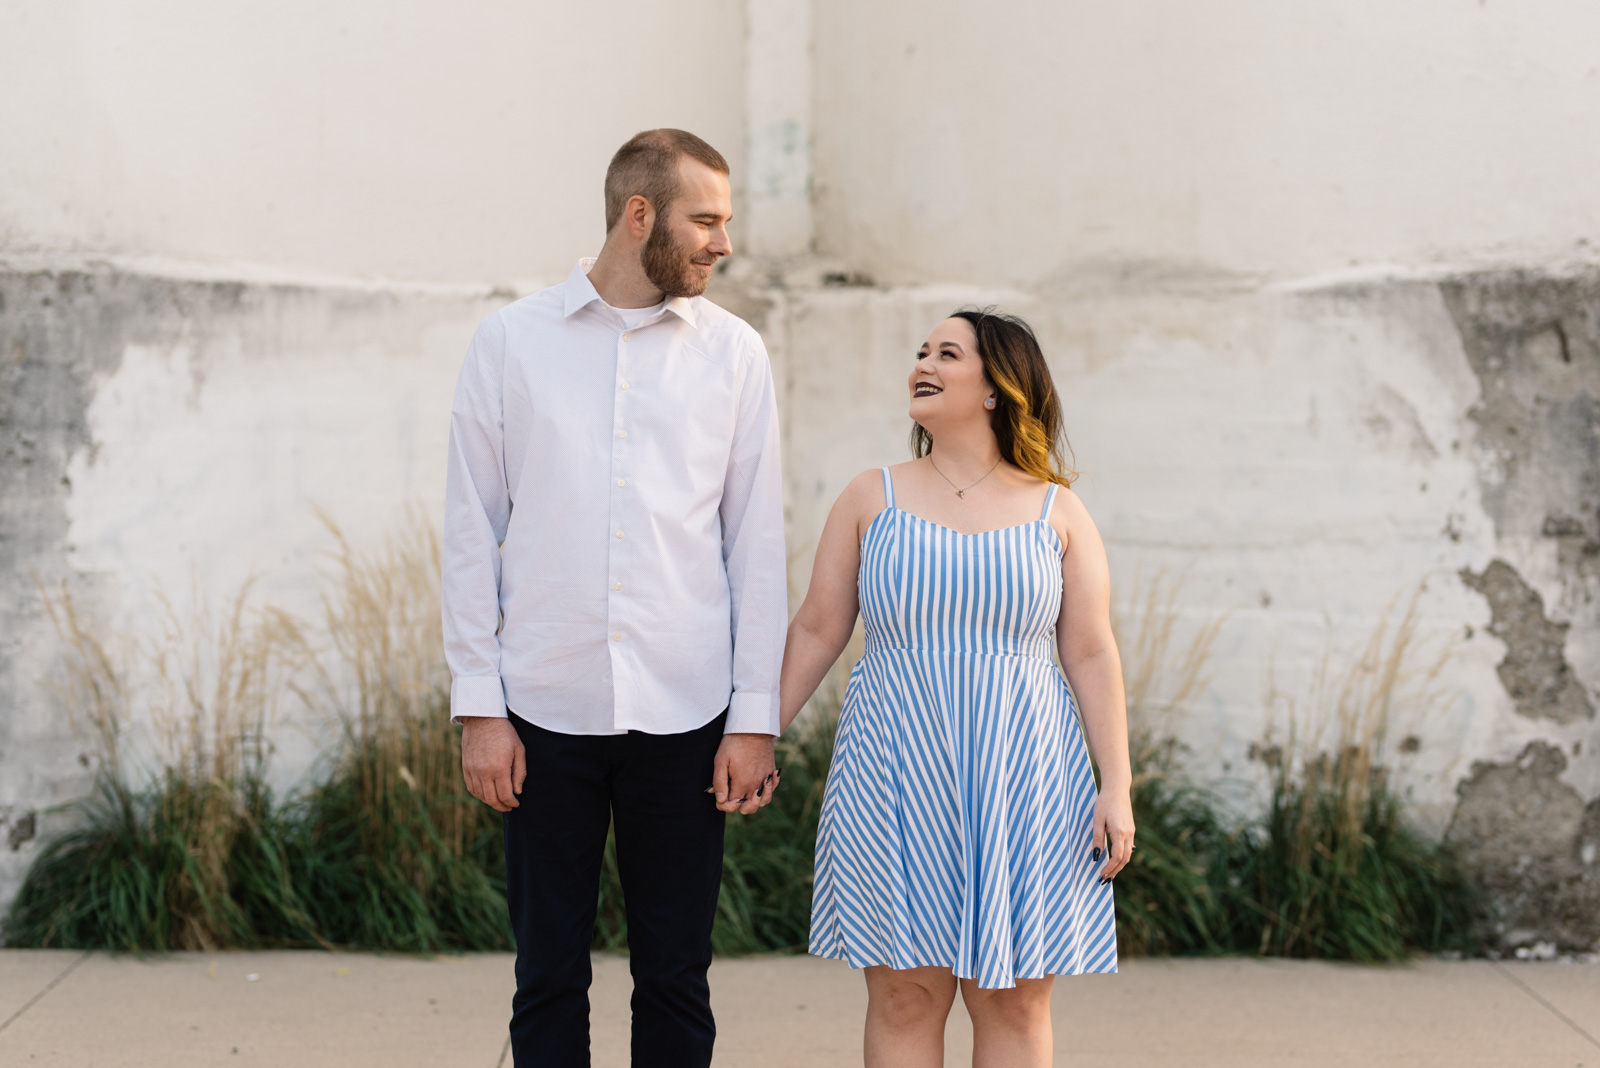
point(948, 383)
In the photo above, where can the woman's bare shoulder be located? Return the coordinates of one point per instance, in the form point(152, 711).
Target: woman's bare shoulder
point(1069, 516)
point(863, 495)
point(1069, 504)
point(861, 499)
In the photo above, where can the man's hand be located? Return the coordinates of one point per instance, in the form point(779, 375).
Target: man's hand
point(493, 762)
point(744, 767)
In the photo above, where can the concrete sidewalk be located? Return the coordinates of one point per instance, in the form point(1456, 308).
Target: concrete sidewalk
point(314, 1009)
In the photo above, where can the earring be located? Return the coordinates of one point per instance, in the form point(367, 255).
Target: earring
point(989, 404)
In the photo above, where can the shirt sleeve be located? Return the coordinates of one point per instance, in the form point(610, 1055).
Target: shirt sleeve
point(477, 510)
point(753, 551)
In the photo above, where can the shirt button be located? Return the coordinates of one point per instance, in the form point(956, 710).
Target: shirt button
point(627, 337)
point(622, 482)
point(616, 585)
point(624, 385)
point(617, 637)
point(619, 533)
point(622, 433)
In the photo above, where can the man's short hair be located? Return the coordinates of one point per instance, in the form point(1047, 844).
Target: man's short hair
point(647, 166)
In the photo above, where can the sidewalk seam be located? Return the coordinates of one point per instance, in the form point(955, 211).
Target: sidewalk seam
point(51, 985)
point(1535, 995)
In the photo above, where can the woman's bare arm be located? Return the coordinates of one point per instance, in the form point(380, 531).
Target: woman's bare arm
point(821, 629)
point(1094, 668)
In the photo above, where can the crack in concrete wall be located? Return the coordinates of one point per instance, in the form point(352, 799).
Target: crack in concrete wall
point(1529, 840)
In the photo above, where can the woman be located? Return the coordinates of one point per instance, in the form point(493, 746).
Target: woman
point(962, 839)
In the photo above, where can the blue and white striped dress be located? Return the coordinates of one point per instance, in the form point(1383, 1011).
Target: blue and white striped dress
point(956, 826)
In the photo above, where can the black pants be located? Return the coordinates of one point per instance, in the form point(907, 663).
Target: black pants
point(669, 853)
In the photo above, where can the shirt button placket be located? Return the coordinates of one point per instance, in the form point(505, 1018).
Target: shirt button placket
point(619, 542)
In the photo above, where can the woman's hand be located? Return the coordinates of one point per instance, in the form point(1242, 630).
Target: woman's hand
point(1113, 831)
point(742, 776)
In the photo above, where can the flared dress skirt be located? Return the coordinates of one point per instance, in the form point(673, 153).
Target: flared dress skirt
point(957, 822)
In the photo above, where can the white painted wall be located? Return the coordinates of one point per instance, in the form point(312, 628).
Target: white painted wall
point(214, 453)
point(432, 141)
point(778, 100)
point(1015, 142)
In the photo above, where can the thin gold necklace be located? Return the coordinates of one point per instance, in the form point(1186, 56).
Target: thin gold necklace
point(961, 491)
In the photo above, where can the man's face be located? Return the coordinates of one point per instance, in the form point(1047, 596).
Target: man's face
point(692, 235)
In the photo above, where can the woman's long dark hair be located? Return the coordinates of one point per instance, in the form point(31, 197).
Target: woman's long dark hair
point(1027, 413)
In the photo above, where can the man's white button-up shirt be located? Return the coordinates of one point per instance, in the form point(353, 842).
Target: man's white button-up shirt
point(613, 532)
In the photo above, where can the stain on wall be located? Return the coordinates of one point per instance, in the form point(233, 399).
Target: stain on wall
point(61, 332)
point(64, 334)
point(1530, 841)
point(22, 830)
point(1533, 341)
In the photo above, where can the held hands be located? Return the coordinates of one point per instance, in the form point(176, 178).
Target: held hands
point(493, 762)
point(1113, 831)
point(743, 777)
point(494, 765)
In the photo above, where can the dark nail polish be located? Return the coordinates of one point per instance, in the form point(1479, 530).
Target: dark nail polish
point(1096, 854)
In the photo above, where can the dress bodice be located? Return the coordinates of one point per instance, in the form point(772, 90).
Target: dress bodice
point(925, 586)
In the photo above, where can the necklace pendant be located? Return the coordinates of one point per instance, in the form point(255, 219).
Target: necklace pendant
point(962, 494)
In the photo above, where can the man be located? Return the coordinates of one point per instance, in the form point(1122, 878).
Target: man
point(614, 578)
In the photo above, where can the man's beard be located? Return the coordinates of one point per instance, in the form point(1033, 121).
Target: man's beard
point(669, 265)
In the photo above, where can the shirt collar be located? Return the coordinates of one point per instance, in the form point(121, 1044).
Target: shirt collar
point(581, 293)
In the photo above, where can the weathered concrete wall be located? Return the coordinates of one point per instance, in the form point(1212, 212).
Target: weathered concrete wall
point(1302, 455)
point(1530, 827)
point(163, 435)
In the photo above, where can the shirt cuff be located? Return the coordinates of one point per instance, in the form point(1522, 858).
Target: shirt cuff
point(477, 695)
point(752, 713)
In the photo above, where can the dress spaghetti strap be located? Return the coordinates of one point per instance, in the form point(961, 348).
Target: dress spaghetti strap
point(1049, 500)
point(888, 488)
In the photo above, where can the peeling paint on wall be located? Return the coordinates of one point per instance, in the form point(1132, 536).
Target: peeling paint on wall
point(1532, 340)
point(1535, 671)
point(1528, 839)
point(22, 830)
